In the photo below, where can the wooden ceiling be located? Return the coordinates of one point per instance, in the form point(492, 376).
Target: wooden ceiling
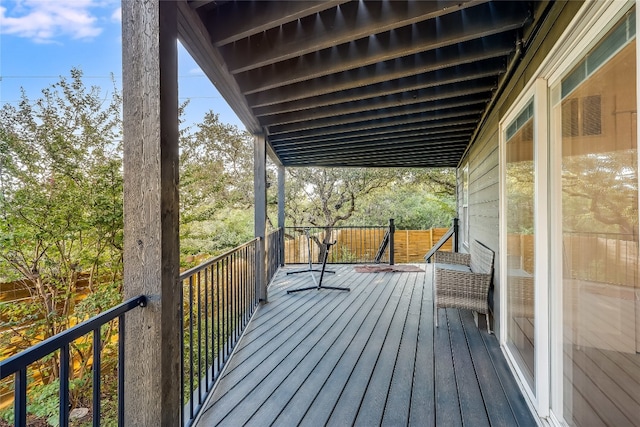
point(391, 83)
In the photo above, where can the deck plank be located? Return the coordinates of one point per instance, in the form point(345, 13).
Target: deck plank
point(366, 357)
point(422, 409)
point(397, 407)
point(515, 398)
point(302, 359)
point(290, 400)
point(447, 402)
point(246, 376)
point(472, 406)
point(330, 373)
point(372, 407)
point(348, 403)
point(496, 403)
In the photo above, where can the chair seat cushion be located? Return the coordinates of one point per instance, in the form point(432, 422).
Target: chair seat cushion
point(455, 267)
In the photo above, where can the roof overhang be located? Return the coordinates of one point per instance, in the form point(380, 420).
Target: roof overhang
point(359, 83)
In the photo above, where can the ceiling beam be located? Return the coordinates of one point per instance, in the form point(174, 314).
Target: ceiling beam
point(237, 20)
point(416, 152)
point(343, 24)
point(439, 162)
point(473, 51)
point(373, 135)
point(433, 94)
point(479, 21)
point(447, 76)
point(373, 146)
point(470, 103)
point(448, 118)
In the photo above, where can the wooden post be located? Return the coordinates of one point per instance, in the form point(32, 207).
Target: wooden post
point(151, 213)
point(260, 212)
point(281, 188)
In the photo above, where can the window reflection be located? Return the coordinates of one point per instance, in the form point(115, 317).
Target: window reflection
point(601, 295)
point(519, 187)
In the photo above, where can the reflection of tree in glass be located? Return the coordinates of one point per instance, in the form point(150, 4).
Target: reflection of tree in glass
point(600, 192)
point(520, 201)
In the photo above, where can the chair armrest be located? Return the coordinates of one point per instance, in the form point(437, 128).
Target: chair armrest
point(441, 257)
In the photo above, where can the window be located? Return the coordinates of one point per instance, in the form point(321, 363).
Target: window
point(519, 192)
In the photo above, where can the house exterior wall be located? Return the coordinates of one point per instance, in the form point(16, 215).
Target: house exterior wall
point(482, 157)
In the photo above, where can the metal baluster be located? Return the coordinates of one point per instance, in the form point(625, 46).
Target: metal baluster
point(199, 336)
point(64, 386)
point(191, 347)
point(97, 341)
point(20, 398)
point(206, 328)
point(218, 315)
point(121, 370)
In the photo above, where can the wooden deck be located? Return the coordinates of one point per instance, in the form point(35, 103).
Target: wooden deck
point(366, 357)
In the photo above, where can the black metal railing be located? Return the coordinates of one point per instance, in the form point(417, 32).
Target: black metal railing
point(451, 233)
point(274, 244)
point(353, 244)
point(19, 364)
point(219, 298)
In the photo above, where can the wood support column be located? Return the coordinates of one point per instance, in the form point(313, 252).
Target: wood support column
point(281, 188)
point(151, 212)
point(260, 212)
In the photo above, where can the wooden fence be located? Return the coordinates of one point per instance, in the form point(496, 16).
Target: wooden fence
point(360, 245)
point(411, 245)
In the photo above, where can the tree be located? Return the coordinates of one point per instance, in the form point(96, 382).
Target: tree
point(216, 187)
point(327, 197)
point(61, 208)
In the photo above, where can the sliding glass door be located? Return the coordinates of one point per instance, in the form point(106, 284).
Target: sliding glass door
point(594, 132)
point(519, 195)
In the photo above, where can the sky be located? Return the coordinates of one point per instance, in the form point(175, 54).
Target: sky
point(41, 40)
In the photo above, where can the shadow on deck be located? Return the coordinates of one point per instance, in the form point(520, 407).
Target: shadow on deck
point(367, 357)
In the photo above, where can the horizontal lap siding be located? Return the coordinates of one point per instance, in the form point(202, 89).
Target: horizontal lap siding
point(483, 155)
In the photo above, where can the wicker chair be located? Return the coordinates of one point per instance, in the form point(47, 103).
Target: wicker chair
point(462, 280)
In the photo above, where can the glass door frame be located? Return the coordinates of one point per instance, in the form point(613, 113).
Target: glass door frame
point(587, 28)
point(538, 395)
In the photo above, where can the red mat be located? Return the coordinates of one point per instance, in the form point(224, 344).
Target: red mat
point(387, 268)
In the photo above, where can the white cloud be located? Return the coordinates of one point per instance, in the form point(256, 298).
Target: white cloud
point(44, 21)
point(196, 71)
point(117, 15)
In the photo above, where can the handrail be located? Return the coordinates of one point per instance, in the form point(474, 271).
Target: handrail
point(451, 232)
point(19, 363)
point(218, 300)
point(16, 362)
point(190, 272)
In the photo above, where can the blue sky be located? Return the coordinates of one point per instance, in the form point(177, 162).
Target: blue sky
point(41, 40)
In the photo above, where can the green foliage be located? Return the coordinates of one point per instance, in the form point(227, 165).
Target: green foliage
point(329, 196)
point(227, 228)
point(61, 232)
point(216, 187)
point(216, 169)
point(416, 199)
point(412, 207)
